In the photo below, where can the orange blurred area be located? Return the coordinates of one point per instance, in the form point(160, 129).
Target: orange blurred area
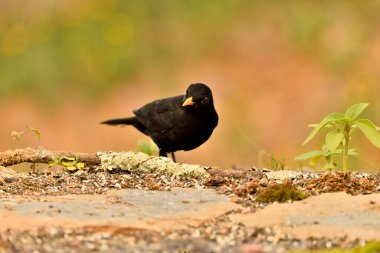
point(273, 67)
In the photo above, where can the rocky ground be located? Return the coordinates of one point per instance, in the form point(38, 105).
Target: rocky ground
point(118, 211)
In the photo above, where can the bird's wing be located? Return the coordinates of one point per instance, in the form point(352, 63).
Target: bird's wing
point(158, 116)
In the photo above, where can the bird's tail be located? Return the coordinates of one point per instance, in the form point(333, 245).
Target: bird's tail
point(123, 121)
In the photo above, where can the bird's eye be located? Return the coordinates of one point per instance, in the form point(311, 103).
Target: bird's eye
point(204, 101)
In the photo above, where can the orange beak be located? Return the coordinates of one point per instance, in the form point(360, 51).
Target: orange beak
point(188, 102)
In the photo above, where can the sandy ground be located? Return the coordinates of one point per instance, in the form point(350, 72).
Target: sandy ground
point(155, 210)
point(325, 215)
point(119, 212)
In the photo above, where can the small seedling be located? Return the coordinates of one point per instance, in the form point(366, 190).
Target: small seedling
point(338, 138)
point(70, 163)
point(16, 135)
point(268, 159)
point(277, 164)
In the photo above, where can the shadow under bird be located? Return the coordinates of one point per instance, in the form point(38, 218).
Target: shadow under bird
point(182, 122)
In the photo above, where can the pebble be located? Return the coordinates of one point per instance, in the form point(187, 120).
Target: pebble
point(263, 182)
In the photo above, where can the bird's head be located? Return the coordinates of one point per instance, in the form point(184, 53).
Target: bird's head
point(198, 95)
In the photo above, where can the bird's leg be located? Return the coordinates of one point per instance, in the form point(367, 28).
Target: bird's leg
point(173, 157)
point(163, 153)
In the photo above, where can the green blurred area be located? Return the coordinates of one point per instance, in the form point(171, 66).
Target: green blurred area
point(274, 67)
point(50, 47)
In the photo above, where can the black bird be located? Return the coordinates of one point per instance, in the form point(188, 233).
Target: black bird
point(176, 123)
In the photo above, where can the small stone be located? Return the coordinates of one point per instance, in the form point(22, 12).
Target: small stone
point(236, 199)
point(186, 201)
point(263, 181)
point(9, 180)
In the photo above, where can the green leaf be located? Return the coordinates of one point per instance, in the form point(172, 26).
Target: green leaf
point(325, 150)
point(80, 165)
point(313, 161)
point(71, 168)
point(67, 158)
point(55, 159)
point(146, 147)
point(329, 119)
point(355, 110)
point(333, 139)
point(68, 163)
point(329, 166)
point(35, 131)
point(369, 130)
point(309, 155)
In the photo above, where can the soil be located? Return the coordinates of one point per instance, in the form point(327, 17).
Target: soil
point(115, 211)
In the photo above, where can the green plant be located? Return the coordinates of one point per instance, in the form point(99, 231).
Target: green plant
point(337, 140)
point(70, 163)
point(147, 147)
point(16, 135)
point(267, 159)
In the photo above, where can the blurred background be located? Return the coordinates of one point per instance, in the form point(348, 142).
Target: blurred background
point(274, 67)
